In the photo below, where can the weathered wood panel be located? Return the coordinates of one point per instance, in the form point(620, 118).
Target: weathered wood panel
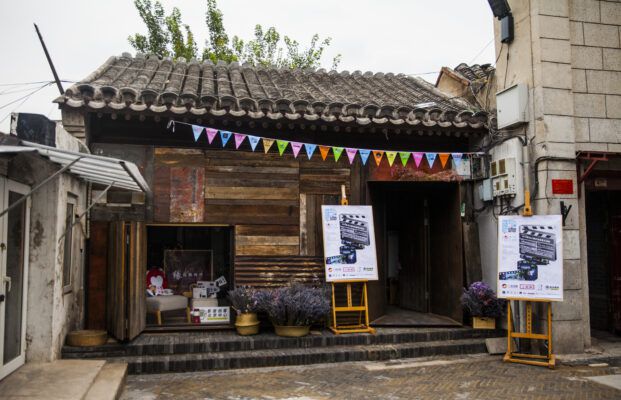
point(186, 194)
point(97, 275)
point(278, 271)
point(251, 214)
point(161, 194)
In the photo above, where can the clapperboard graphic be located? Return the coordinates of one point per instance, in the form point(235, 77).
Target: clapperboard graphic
point(537, 243)
point(354, 230)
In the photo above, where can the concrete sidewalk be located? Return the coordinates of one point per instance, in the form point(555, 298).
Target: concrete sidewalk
point(65, 380)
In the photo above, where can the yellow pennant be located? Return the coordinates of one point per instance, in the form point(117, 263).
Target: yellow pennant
point(390, 155)
point(267, 143)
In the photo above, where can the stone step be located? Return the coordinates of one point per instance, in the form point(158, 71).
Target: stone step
point(209, 342)
point(147, 364)
point(109, 383)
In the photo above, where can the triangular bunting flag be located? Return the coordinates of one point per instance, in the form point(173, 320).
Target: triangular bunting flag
point(418, 157)
point(310, 149)
point(282, 145)
point(239, 139)
point(377, 155)
point(456, 158)
point(267, 143)
point(197, 130)
point(211, 133)
point(443, 158)
point(405, 156)
point(351, 154)
point(431, 157)
point(364, 155)
point(324, 150)
point(225, 136)
point(296, 148)
point(337, 153)
point(390, 155)
point(253, 141)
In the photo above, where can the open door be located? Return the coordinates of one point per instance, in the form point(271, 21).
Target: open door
point(126, 311)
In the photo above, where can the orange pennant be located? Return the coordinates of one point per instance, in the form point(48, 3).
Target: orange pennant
point(377, 155)
point(443, 158)
point(324, 151)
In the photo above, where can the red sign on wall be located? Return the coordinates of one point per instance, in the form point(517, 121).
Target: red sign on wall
point(562, 186)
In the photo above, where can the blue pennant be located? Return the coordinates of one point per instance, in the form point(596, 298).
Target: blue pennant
point(225, 136)
point(364, 155)
point(197, 130)
point(253, 141)
point(310, 149)
point(431, 157)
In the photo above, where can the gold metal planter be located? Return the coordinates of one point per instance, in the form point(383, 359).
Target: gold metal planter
point(247, 324)
point(292, 331)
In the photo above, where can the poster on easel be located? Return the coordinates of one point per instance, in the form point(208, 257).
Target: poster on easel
point(530, 257)
point(349, 243)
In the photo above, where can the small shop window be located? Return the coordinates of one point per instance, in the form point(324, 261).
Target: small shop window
point(68, 243)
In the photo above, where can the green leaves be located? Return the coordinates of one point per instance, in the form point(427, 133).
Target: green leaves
point(167, 36)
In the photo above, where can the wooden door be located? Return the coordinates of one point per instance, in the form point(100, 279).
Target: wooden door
point(126, 310)
point(413, 250)
point(615, 271)
point(377, 294)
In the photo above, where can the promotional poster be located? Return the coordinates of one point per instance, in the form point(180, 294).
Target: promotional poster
point(530, 257)
point(349, 243)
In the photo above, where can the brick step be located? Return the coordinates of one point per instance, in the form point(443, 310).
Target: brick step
point(150, 364)
point(208, 342)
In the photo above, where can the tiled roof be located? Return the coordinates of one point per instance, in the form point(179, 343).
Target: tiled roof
point(474, 72)
point(146, 83)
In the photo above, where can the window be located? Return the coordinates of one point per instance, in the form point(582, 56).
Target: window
point(68, 247)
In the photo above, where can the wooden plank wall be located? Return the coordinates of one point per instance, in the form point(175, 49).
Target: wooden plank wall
point(273, 202)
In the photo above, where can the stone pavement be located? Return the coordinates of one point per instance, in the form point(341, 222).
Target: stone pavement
point(459, 377)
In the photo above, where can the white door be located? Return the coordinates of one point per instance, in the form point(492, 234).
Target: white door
point(14, 234)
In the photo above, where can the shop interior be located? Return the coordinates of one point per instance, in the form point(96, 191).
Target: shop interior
point(182, 259)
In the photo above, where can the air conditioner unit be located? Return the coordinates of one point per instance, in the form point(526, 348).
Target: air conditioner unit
point(502, 172)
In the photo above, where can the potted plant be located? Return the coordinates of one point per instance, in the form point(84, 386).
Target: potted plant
point(482, 303)
point(294, 308)
point(244, 301)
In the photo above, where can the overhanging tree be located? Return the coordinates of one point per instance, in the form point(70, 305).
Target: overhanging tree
point(167, 36)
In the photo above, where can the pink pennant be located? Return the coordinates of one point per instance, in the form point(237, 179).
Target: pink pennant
point(418, 157)
point(211, 133)
point(296, 148)
point(351, 154)
point(239, 139)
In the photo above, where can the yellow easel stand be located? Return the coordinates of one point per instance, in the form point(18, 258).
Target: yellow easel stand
point(548, 360)
point(362, 308)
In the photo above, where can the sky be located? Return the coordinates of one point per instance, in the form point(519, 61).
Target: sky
point(399, 36)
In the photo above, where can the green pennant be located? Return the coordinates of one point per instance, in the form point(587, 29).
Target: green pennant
point(391, 157)
point(282, 145)
point(337, 153)
point(405, 156)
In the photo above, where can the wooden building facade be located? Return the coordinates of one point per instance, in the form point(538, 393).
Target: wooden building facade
point(259, 213)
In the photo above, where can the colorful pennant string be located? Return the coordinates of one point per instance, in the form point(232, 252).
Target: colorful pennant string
point(211, 133)
point(296, 146)
point(377, 155)
point(197, 130)
point(239, 139)
point(390, 155)
point(443, 158)
point(225, 136)
point(431, 157)
point(351, 154)
point(405, 156)
point(418, 157)
point(364, 155)
point(310, 149)
point(254, 140)
point(324, 150)
point(267, 143)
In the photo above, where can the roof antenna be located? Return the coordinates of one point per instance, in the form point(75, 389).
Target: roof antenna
point(49, 60)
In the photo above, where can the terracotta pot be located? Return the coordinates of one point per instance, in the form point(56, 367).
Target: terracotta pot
point(247, 324)
point(483, 323)
point(291, 331)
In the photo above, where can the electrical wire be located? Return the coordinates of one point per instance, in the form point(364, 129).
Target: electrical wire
point(23, 99)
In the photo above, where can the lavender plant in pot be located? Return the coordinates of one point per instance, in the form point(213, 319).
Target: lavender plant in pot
point(294, 308)
point(481, 302)
point(244, 301)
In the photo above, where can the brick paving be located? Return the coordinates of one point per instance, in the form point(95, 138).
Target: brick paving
point(460, 377)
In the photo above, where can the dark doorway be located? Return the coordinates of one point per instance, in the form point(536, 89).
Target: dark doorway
point(181, 255)
point(418, 233)
point(603, 223)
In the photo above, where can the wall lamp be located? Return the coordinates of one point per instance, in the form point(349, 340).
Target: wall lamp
point(502, 11)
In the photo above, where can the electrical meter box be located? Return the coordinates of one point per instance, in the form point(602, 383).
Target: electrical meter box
point(502, 173)
point(512, 106)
